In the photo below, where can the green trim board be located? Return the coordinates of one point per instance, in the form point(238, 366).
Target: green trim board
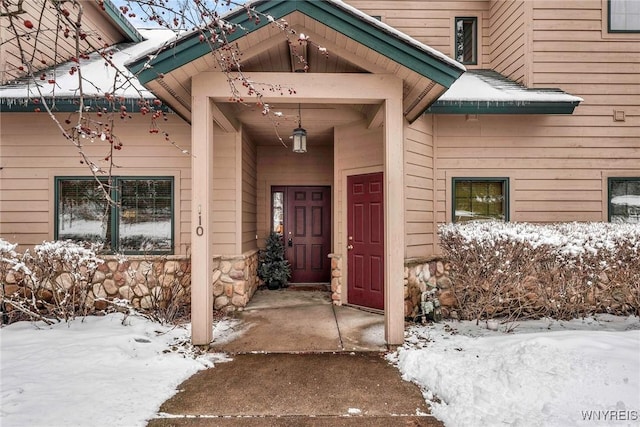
point(122, 22)
point(501, 107)
point(70, 105)
point(114, 211)
point(505, 192)
point(339, 18)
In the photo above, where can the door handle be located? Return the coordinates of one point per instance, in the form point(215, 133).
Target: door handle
point(350, 247)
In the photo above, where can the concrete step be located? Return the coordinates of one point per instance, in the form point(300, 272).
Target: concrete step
point(301, 421)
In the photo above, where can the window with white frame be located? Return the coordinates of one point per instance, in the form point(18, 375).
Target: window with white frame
point(624, 200)
point(141, 219)
point(624, 16)
point(480, 198)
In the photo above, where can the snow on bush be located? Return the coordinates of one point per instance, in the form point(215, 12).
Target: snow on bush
point(528, 270)
point(51, 284)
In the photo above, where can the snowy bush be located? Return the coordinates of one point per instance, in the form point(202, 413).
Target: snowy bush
point(521, 270)
point(51, 284)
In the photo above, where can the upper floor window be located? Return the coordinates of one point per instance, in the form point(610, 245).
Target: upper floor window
point(624, 16)
point(141, 221)
point(480, 198)
point(466, 40)
point(624, 200)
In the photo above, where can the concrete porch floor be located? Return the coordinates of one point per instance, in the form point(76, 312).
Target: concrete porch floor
point(300, 321)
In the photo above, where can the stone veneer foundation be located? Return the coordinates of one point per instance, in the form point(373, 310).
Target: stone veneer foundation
point(235, 280)
point(148, 281)
point(420, 275)
point(426, 274)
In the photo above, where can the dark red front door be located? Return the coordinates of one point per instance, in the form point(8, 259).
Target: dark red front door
point(307, 233)
point(365, 240)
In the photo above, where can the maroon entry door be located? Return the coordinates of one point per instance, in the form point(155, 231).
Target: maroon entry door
point(307, 233)
point(365, 240)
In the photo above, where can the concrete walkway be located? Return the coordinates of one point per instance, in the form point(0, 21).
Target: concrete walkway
point(297, 360)
point(290, 320)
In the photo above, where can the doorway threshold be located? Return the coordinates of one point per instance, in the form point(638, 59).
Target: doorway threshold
point(322, 287)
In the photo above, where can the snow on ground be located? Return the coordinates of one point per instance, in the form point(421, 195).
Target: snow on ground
point(95, 371)
point(543, 373)
point(100, 372)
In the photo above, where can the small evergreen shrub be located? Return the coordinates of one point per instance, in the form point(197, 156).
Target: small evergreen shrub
point(273, 268)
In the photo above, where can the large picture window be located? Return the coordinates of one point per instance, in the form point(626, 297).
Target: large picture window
point(624, 16)
point(141, 221)
point(480, 198)
point(624, 200)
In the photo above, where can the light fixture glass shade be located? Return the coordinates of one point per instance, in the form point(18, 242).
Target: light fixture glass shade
point(299, 140)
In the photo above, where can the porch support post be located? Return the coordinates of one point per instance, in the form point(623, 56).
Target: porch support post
point(394, 219)
point(201, 233)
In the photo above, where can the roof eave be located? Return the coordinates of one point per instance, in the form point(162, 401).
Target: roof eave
point(70, 104)
point(121, 21)
point(502, 107)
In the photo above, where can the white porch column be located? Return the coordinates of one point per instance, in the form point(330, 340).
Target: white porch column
point(201, 233)
point(394, 220)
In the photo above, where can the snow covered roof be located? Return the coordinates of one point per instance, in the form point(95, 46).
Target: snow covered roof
point(99, 77)
point(489, 92)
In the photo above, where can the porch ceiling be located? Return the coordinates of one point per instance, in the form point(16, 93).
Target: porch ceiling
point(318, 120)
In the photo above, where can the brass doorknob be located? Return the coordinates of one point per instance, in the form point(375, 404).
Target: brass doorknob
point(350, 247)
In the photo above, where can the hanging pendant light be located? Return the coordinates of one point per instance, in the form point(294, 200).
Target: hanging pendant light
point(299, 136)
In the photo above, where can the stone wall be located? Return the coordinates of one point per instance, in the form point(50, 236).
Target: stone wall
point(427, 274)
point(143, 280)
point(235, 280)
point(336, 278)
point(149, 281)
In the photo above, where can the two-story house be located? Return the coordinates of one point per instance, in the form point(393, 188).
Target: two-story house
point(405, 115)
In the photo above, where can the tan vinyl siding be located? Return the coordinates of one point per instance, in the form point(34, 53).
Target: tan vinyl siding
point(507, 38)
point(249, 194)
point(557, 171)
point(225, 216)
point(32, 154)
point(419, 170)
point(279, 166)
point(432, 22)
point(358, 150)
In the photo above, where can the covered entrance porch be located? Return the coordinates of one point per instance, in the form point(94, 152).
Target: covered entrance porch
point(245, 171)
point(360, 95)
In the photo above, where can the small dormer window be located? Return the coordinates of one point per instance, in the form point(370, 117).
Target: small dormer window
point(466, 44)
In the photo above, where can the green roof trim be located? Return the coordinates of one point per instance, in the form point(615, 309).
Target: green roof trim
point(70, 105)
point(330, 14)
point(501, 107)
point(122, 22)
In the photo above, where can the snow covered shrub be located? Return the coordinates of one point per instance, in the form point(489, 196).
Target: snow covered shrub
point(12, 273)
point(51, 284)
point(521, 270)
